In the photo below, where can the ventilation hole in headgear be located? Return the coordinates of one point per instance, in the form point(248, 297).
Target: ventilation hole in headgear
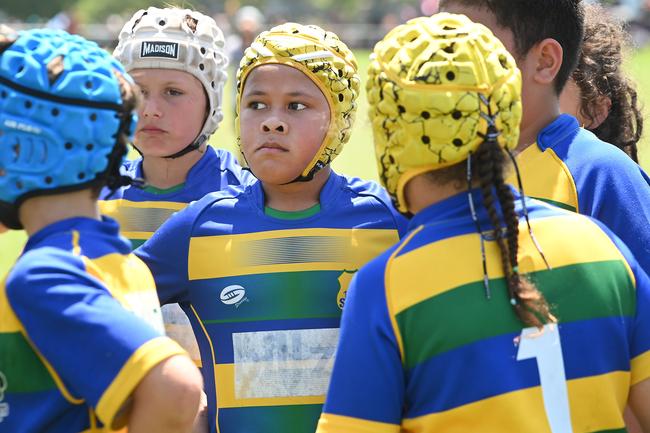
point(214, 112)
point(449, 49)
point(425, 114)
point(340, 73)
point(401, 109)
point(161, 22)
point(81, 176)
point(457, 142)
point(341, 97)
point(456, 114)
point(449, 28)
point(19, 184)
point(504, 61)
point(88, 85)
point(191, 22)
point(55, 112)
point(89, 146)
point(296, 31)
point(16, 149)
point(67, 145)
point(391, 158)
point(20, 68)
point(203, 50)
point(48, 180)
point(212, 84)
point(450, 76)
point(201, 67)
point(28, 104)
point(54, 69)
point(3, 94)
point(426, 139)
point(93, 117)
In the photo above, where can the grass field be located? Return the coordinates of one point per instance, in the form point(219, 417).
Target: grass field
point(358, 157)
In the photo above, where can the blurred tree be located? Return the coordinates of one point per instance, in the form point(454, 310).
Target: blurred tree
point(24, 9)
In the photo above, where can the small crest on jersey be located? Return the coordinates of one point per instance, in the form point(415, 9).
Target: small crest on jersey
point(168, 50)
point(344, 282)
point(233, 295)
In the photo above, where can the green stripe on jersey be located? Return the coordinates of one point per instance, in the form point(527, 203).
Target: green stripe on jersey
point(557, 204)
point(463, 315)
point(21, 366)
point(267, 419)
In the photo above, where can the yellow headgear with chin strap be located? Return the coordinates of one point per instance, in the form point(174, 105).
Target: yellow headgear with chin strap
point(435, 84)
point(327, 61)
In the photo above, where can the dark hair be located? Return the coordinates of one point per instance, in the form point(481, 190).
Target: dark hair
point(489, 164)
point(532, 21)
point(600, 74)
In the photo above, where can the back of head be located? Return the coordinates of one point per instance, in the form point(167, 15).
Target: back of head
point(179, 39)
point(532, 21)
point(442, 89)
point(65, 117)
point(325, 60)
point(437, 87)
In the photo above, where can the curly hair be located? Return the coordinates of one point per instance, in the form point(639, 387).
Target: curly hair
point(600, 73)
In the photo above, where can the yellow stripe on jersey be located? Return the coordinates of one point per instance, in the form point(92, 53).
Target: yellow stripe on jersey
point(640, 368)
point(225, 380)
point(551, 234)
point(493, 415)
point(544, 175)
point(132, 372)
point(8, 321)
point(330, 423)
point(138, 220)
point(285, 251)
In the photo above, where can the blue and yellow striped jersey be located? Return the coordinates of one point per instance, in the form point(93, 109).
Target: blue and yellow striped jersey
point(264, 295)
point(140, 212)
point(423, 348)
point(80, 326)
point(571, 168)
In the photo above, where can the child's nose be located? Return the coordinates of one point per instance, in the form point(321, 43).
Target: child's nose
point(150, 107)
point(274, 124)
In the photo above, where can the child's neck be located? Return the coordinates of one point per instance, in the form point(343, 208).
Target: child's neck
point(41, 211)
point(296, 196)
point(537, 121)
point(166, 173)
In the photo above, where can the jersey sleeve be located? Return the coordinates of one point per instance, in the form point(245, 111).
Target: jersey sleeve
point(96, 351)
point(640, 326)
point(616, 191)
point(366, 391)
point(166, 255)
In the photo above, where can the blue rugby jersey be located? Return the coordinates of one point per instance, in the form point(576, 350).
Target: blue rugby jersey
point(80, 327)
point(571, 168)
point(423, 349)
point(264, 295)
point(140, 212)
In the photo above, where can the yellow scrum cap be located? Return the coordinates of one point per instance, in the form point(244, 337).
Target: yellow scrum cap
point(327, 61)
point(434, 85)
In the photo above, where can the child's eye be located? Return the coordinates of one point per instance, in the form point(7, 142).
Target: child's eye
point(174, 92)
point(255, 105)
point(297, 106)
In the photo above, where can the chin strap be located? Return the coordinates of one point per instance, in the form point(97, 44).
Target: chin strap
point(195, 145)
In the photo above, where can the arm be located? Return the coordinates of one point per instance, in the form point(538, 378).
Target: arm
point(167, 398)
point(366, 392)
point(639, 402)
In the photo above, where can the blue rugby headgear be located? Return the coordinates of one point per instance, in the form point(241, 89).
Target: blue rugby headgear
point(58, 132)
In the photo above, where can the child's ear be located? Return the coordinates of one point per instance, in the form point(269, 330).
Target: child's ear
point(547, 60)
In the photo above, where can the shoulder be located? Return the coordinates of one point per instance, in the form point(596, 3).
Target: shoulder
point(370, 195)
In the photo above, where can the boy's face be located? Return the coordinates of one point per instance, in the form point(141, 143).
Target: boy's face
point(172, 113)
point(284, 118)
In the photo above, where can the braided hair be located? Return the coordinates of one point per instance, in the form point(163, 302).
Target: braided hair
point(527, 301)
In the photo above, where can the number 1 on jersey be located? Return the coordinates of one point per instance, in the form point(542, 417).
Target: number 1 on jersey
point(545, 347)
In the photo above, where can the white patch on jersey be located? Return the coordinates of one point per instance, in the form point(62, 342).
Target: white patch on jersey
point(179, 328)
point(146, 306)
point(4, 407)
point(291, 363)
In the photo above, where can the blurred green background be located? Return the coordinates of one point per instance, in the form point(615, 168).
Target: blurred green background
point(357, 158)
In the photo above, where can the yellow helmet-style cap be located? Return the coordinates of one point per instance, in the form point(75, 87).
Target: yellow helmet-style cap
point(327, 61)
point(435, 85)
